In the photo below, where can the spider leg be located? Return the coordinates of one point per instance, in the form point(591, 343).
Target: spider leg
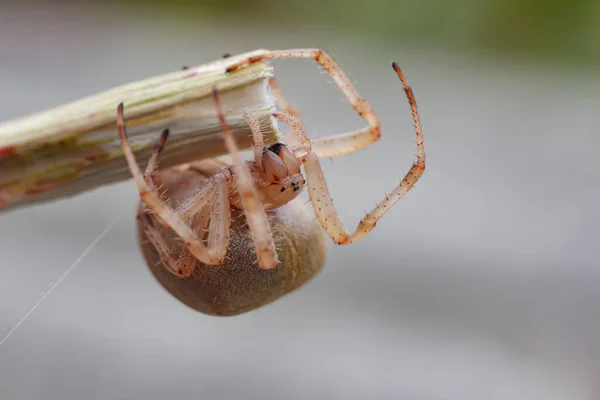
point(299, 131)
point(211, 255)
point(253, 208)
point(182, 266)
point(342, 143)
point(323, 203)
point(192, 205)
point(280, 99)
point(152, 165)
point(153, 162)
point(292, 138)
point(174, 256)
point(259, 144)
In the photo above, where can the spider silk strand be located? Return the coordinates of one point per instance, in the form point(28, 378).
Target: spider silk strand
point(63, 276)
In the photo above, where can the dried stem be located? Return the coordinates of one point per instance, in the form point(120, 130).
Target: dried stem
point(75, 147)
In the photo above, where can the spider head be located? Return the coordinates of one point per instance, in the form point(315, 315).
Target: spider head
point(284, 181)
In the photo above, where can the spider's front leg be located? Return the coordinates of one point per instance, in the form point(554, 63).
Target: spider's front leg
point(281, 100)
point(214, 195)
point(317, 186)
point(342, 143)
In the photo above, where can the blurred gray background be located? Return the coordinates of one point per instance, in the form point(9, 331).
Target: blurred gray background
point(482, 283)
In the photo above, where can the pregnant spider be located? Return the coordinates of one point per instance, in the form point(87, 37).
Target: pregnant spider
point(199, 211)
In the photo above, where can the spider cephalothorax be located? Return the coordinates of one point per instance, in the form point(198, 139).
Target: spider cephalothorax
point(278, 176)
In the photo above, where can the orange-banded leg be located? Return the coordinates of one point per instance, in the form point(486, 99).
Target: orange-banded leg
point(254, 211)
point(216, 194)
point(341, 143)
point(317, 186)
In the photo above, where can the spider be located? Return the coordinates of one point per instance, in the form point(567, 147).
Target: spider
point(273, 179)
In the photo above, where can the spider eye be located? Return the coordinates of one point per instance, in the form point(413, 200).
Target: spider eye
point(274, 166)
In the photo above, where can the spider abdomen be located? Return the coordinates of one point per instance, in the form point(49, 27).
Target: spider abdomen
point(237, 285)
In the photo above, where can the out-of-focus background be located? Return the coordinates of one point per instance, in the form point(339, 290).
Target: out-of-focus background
point(482, 283)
